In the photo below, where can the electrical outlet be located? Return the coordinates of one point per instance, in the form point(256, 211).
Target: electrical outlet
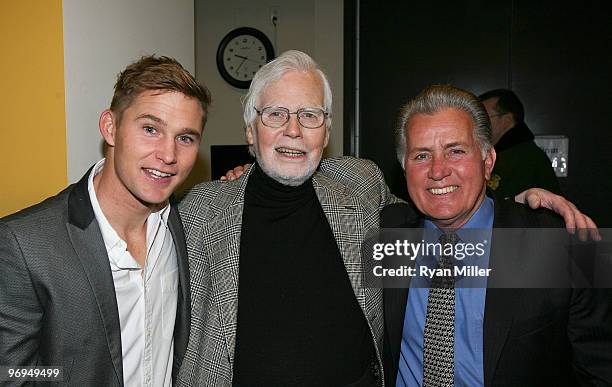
point(275, 15)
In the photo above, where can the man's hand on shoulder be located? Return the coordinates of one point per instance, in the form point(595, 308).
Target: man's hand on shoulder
point(235, 173)
point(574, 218)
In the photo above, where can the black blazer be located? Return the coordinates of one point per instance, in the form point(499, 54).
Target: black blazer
point(532, 337)
point(57, 299)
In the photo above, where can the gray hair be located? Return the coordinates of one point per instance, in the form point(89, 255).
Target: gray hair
point(433, 99)
point(271, 72)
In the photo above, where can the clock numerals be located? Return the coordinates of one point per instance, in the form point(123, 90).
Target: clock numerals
point(246, 56)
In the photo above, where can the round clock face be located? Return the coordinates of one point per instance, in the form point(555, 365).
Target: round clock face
point(241, 53)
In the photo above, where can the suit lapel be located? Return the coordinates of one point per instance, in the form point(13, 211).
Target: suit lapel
point(224, 231)
point(500, 303)
point(183, 315)
point(395, 299)
point(345, 217)
point(395, 309)
point(86, 239)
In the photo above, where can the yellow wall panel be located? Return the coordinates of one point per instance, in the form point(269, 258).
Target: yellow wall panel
point(32, 107)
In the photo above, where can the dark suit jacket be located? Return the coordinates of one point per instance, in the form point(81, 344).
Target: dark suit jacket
point(57, 299)
point(532, 337)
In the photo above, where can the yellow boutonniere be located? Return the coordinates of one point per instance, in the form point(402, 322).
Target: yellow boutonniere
point(493, 182)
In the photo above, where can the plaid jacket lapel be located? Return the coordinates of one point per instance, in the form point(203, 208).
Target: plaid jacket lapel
point(351, 216)
point(223, 247)
point(345, 217)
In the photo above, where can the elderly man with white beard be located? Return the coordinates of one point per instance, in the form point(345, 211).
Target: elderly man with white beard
point(276, 272)
point(275, 255)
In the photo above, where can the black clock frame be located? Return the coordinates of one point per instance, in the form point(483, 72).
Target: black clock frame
point(225, 41)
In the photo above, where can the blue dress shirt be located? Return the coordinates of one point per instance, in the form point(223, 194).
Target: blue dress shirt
point(469, 314)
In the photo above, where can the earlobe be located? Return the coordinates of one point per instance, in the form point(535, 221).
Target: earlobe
point(508, 121)
point(249, 135)
point(489, 163)
point(107, 127)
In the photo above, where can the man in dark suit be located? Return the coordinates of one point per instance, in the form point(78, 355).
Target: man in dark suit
point(444, 335)
point(95, 280)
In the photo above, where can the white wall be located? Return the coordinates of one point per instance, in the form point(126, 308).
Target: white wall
point(312, 26)
point(100, 39)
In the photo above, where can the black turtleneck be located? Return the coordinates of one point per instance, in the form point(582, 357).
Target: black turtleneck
point(299, 323)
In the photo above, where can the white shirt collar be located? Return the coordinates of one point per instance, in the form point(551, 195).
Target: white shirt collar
point(112, 241)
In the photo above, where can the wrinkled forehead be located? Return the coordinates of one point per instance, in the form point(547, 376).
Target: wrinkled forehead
point(447, 126)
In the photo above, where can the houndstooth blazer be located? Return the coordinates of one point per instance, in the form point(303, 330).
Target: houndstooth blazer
point(352, 193)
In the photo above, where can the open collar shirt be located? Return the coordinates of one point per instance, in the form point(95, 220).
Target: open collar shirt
point(146, 296)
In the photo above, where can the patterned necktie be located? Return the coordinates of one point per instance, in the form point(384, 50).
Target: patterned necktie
point(439, 338)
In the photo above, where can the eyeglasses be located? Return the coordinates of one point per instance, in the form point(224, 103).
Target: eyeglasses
point(275, 117)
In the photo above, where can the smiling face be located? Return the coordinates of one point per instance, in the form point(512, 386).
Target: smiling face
point(290, 154)
point(153, 149)
point(445, 170)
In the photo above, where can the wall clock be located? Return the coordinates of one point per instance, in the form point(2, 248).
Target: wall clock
point(241, 53)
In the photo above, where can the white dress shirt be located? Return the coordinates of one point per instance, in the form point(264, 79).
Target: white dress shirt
point(146, 297)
